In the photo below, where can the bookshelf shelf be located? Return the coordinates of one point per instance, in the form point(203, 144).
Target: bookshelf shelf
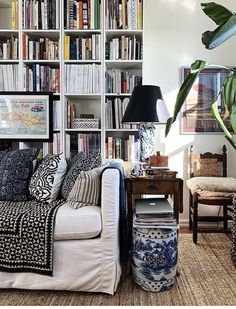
point(82, 61)
point(54, 62)
point(81, 32)
point(83, 130)
point(124, 64)
point(7, 32)
point(9, 61)
point(121, 130)
point(117, 94)
point(83, 96)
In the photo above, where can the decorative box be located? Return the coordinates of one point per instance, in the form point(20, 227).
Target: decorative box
point(86, 123)
point(154, 258)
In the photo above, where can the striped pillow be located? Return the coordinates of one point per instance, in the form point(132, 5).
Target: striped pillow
point(86, 190)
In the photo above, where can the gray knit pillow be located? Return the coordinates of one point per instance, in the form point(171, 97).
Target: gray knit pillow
point(83, 162)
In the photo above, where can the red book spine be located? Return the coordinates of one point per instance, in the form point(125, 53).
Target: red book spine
point(24, 46)
point(89, 15)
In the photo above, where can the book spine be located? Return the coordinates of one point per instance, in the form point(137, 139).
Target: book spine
point(13, 14)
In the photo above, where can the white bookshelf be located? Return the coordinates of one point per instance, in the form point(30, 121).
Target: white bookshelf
point(90, 103)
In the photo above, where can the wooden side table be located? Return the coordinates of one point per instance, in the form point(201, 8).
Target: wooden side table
point(154, 185)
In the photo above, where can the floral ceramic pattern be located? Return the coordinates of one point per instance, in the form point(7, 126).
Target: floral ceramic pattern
point(154, 258)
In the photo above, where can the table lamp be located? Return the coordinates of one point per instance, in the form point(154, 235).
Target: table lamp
point(146, 107)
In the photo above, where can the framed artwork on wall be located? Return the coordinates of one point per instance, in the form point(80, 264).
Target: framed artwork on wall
point(26, 116)
point(197, 116)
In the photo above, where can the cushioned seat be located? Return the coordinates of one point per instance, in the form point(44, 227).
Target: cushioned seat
point(82, 223)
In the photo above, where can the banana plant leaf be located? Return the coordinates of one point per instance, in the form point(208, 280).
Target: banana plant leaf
point(226, 21)
point(215, 113)
point(196, 68)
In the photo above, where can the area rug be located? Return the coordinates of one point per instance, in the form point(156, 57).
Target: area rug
point(207, 277)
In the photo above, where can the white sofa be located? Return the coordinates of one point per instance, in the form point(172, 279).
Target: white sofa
point(86, 247)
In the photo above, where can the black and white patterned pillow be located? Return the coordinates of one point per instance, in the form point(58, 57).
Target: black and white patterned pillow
point(16, 169)
point(82, 162)
point(46, 181)
point(86, 189)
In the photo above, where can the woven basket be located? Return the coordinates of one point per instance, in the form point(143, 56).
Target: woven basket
point(86, 123)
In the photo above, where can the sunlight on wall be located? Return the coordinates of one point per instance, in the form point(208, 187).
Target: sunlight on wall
point(188, 4)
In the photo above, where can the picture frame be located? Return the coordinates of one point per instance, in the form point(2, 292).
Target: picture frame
point(26, 116)
point(196, 112)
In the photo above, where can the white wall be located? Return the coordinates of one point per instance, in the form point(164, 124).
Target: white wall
point(172, 39)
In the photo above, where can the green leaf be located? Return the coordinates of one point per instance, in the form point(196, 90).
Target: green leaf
point(229, 93)
point(196, 68)
point(215, 113)
point(233, 117)
point(218, 13)
point(212, 39)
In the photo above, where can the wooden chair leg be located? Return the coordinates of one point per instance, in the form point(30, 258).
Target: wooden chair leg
point(190, 211)
point(195, 218)
point(225, 214)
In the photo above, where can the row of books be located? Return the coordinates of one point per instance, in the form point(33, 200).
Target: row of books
point(127, 149)
point(41, 14)
point(82, 48)
point(124, 14)
point(118, 81)
point(39, 49)
point(86, 142)
point(82, 14)
point(9, 49)
point(41, 78)
point(53, 147)
point(83, 78)
point(124, 48)
point(9, 77)
point(14, 14)
point(114, 112)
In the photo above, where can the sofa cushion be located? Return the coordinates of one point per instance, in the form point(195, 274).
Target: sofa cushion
point(81, 162)
point(86, 190)
point(46, 181)
point(82, 223)
point(16, 169)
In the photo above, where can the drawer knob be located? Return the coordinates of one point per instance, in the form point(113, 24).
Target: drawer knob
point(151, 188)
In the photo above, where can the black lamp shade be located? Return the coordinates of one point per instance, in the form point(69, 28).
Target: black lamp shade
point(144, 104)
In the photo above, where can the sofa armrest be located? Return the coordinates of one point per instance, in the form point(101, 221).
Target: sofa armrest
point(110, 200)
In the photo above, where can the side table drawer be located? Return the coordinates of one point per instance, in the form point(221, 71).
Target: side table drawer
point(152, 187)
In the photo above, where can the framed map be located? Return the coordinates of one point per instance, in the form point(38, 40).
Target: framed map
point(197, 116)
point(26, 116)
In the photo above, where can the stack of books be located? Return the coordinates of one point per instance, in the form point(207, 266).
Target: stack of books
point(154, 213)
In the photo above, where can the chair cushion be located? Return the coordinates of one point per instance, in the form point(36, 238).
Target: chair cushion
point(212, 186)
point(82, 223)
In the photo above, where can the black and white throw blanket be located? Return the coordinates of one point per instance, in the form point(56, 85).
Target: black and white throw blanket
point(26, 236)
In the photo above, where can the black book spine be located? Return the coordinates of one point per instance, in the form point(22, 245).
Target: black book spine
point(65, 13)
point(53, 14)
point(39, 15)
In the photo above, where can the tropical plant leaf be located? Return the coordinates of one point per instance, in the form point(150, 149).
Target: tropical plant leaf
point(215, 113)
point(229, 93)
point(218, 13)
point(196, 68)
point(212, 39)
point(233, 117)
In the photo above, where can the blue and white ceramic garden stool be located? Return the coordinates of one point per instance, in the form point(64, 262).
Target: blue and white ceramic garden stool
point(154, 258)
